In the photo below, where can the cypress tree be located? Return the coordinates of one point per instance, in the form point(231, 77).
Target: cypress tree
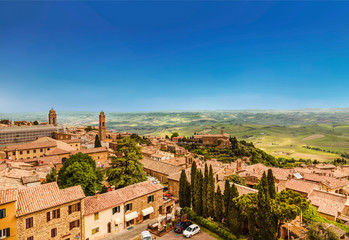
point(198, 193)
point(193, 183)
point(187, 194)
point(97, 142)
point(233, 217)
point(234, 192)
point(210, 193)
point(204, 193)
point(182, 189)
point(271, 184)
point(219, 205)
point(226, 198)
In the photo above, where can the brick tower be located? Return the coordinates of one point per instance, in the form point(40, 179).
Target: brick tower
point(102, 126)
point(52, 117)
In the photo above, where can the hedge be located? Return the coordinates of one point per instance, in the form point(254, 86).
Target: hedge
point(208, 224)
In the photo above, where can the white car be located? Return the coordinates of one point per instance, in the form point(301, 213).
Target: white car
point(191, 230)
point(145, 235)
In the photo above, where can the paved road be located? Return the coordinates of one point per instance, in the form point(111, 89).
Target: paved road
point(132, 233)
point(176, 236)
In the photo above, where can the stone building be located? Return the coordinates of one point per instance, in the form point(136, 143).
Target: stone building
point(102, 126)
point(47, 212)
point(219, 140)
point(159, 170)
point(8, 221)
point(104, 214)
point(142, 201)
point(52, 117)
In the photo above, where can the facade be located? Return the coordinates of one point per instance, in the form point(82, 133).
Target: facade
point(47, 212)
point(104, 214)
point(142, 201)
point(102, 126)
point(219, 140)
point(52, 117)
point(8, 223)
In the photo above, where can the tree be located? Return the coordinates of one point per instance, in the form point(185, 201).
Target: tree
point(198, 193)
point(174, 135)
point(271, 184)
point(233, 217)
point(226, 198)
point(235, 178)
point(187, 194)
point(234, 192)
point(182, 189)
point(166, 137)
point(52, 176)
point(219, 205)
point(97, 142)
point(319, 231)
point(36, 122)
point(210, 193)
point(127, 169)
point(193, 184)
point(204, 193)
point(80, 169)
point(88, 128)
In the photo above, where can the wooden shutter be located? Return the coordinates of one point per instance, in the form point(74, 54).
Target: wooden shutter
point(78, 206)
point(27, 223)
point(31, 220)
point(48, 216)
point(8, 232)
point(69, 209)
point(77, 223)
point(58, 213)
point(71, 225)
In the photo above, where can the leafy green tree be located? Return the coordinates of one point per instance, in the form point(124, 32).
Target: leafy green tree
point(127, 169)
point(97, 142)
point(88, 128)
point(319, 231)
point(174, 135)
point(204, 193)
point(210, 193)
point(80, 169)
point(166, 137)
point(219, 205)
point(52, 176)
point(198, 193)
point(271, 184)
point(235, 178)
point(226, 198)
point(182, 189)
point(36, 122)
point(193, 183)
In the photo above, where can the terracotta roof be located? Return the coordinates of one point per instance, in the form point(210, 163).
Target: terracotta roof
point(30, 179)
point(241, 189)
point(327, 202)
point(57, 151)
point(107, 200)
point(177, 176)
point(32, 145)
point(301, 186)
point(46, 196)
point(160, 167)
point(8, 195)
point(91, 150)
point(139, 189)
point(335, 183)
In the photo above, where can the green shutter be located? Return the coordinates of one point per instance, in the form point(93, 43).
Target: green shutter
point(8, 232)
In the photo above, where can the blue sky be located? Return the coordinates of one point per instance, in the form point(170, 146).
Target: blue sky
point(153, 56)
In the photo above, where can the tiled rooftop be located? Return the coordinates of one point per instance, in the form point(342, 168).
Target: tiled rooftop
point(8, 195)
point(104, 201)
point(138, 189)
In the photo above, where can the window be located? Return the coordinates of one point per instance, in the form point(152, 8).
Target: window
point(48, 149)
point(4, 233)
point(96, 216)
point(2, 213)
point(74, 208)
point(14, 153)
point(151, 198)
point(129, 206)
point(21, 152)
point(74, 224)
point(30, 238)
point(53, 214)
point(116, 210)
point(34, 150)
point(29, 222)
point(95, 230)
point(28, 151)
point(41, 150)
point(53, 232)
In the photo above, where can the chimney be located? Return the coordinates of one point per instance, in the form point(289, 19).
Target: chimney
point(222, 131)
point(97, 195)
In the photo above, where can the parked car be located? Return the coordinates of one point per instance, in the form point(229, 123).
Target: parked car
point(180, 227)
point(145, 235)
point(191, 230)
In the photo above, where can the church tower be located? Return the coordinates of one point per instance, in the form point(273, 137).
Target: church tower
point(52, 117)
point(102, 126)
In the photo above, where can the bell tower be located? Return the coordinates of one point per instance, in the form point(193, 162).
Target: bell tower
point(52, 117)
point(102, 126)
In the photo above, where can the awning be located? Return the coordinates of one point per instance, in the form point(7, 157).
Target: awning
point(131, 216)
point(147, 211)
point(117, 221)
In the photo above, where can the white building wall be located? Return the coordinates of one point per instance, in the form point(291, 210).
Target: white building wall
point(105, 217)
